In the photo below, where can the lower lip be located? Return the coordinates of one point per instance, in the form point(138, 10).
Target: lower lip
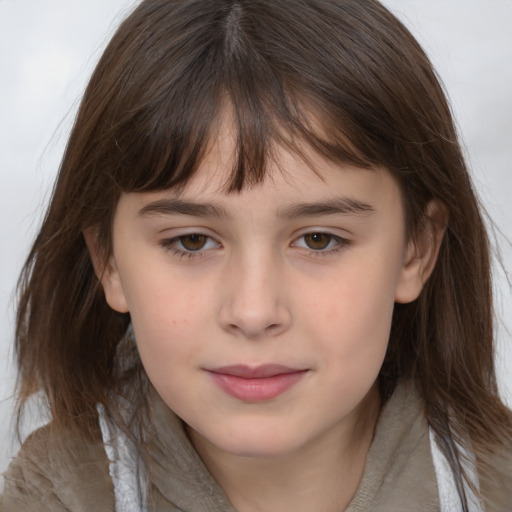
point(256, 390)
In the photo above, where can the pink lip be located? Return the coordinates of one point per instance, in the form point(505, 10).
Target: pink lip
point(256, 384)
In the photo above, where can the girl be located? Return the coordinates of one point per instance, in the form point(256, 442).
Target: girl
point(263, 279)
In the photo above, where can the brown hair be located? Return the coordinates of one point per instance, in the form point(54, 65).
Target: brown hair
point(147, 116)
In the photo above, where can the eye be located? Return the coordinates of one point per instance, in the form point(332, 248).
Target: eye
point(193, 242)
point(318, 241)
point(190, 245)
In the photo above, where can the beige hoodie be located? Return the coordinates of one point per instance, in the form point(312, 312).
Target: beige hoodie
point(47, 475)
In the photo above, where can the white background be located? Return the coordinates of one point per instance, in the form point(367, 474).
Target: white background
point(49, 47)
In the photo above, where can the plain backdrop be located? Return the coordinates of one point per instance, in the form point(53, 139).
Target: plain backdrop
point(48, 49)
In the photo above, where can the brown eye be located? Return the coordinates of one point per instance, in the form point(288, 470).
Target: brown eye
point(193, 242)
point(318, 241)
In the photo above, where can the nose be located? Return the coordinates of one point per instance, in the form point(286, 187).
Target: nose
point(254, 304)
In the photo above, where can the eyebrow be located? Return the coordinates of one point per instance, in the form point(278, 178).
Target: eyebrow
point(334, 206)
point(181, 207)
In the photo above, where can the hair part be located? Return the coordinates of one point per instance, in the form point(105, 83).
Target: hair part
point(345, 77)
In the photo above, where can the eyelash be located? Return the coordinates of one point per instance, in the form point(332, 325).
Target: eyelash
point(170, 244)
point(340, 243)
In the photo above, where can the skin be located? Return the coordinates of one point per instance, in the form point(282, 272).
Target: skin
point(261, 291)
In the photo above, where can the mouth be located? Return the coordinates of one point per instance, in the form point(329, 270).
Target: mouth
point(256, 384)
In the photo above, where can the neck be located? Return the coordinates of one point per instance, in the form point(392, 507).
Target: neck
point(321, 476)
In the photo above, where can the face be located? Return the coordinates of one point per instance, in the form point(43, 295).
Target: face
point(262, 317)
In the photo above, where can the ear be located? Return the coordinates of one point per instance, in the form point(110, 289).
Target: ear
point(106, 271)
point(421, 253)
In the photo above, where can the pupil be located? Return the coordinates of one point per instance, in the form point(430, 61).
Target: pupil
point(317, 241)
point(193, 242)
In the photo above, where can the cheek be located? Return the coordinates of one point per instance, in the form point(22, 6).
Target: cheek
point(355, 336)
point(167, 316)
point(357, 301)
point(352, 319)
point(158, 297)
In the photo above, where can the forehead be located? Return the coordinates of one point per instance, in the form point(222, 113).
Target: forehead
point(289, 164)
point(296, 182)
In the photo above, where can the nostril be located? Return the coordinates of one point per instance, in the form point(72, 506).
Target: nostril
point(259, 317)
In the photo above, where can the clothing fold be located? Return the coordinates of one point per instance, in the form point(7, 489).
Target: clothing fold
point(57, 474)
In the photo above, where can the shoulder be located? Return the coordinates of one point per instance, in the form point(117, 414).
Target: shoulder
point(57, 473)
point(496, 480)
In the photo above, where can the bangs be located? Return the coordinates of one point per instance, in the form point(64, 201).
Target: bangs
point(227, 65)
point(261, 112)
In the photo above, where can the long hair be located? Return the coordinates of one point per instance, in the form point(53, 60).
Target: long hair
point(344, 76)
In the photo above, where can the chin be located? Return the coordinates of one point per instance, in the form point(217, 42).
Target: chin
point(254, 442)
point(258, 450)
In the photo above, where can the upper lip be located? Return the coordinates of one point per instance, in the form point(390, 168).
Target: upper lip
point(255, 372)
